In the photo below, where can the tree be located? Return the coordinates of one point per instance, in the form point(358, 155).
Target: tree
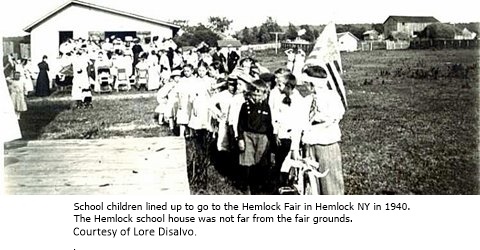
point(378, 27)
point(246, 36)
point(291, 32)
point(194, 35)
point(219, 24)
point(309, 34)
point(264, 33)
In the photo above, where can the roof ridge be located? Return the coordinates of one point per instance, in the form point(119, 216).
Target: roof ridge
point(98, 7)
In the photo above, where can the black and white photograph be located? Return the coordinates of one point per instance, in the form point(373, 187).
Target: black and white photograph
point(104, 97)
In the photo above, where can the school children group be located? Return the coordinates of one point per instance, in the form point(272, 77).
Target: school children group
point(252, 114)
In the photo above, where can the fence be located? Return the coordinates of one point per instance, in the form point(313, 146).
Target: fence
point(394, 45)
point(259, 46)
point(372, 45)
point(307, 47)
point(444, 44)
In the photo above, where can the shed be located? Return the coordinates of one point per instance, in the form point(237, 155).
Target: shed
point(347, 42)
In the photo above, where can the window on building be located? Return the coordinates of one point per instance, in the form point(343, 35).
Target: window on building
point(64, 36)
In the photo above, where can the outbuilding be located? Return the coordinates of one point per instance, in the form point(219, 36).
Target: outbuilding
point(347, 42)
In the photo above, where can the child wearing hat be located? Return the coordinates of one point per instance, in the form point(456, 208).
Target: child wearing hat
point(255, 131)
point(322, 134)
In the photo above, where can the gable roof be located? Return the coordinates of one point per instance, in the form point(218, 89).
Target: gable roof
point(29, 28)
point(368, 32)
point(413, 19)
point(340, 35)
point(229, 42)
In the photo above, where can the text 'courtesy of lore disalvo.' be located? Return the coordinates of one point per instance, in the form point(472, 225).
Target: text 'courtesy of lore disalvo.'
point(165, 219)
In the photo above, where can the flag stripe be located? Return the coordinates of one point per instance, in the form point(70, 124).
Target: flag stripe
point(337, 86)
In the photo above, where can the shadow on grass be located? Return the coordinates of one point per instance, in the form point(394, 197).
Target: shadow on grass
point(38, 116)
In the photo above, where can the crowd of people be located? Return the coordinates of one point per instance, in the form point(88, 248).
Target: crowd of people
point(223, 99)
point(250, 114)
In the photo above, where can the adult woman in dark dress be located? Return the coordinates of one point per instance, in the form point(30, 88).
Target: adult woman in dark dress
point(43, 82)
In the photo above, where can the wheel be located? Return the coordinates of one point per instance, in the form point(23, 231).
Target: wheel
point(311, 184)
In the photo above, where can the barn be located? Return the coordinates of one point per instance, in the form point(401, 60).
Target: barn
point(410, 25)
point(347, 42)
point(77, 19)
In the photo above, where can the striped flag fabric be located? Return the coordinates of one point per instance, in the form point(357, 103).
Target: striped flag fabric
point(326, 54)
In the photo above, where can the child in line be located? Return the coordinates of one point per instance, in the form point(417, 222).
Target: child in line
point(166, 100)
point(16, 86)
point(200, 121)
point(289, 119)
point(183, 94)
point(255, 131)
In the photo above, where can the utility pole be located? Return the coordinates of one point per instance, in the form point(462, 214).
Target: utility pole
point(276, 39)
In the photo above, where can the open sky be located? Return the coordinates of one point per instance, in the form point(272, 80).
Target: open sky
point(17, 14)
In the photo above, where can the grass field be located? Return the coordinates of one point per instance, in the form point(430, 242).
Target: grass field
point(411, 126)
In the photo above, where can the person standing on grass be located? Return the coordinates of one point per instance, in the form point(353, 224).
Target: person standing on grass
point(288, 122)
point(183, 95)
point(200, 122)
point(165, 69)
point(255, 132)
point(322, 135)
point(16, 86)
point(80, 83)
point(166, 100)
point(136, 50)
point(290, 57)
point(220, 104)
point(42, 87)
point(153, 71)
point(298, 62)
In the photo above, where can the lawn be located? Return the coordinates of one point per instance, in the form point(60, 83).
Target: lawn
point(411, 126)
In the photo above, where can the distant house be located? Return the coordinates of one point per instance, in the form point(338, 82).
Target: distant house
point(465, 35)
point(231, 42)
point(410, 25)
point(370, 35)
point(77, 19)
point(347, 42)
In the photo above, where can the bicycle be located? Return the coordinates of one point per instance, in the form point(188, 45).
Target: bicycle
point(303, 176)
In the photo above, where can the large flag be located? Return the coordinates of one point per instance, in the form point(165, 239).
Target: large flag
point(8, 119)
point(325, 53)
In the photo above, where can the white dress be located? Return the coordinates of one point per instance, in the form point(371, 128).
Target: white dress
point(200, 97)
point(153, 73)
point(80, 78)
